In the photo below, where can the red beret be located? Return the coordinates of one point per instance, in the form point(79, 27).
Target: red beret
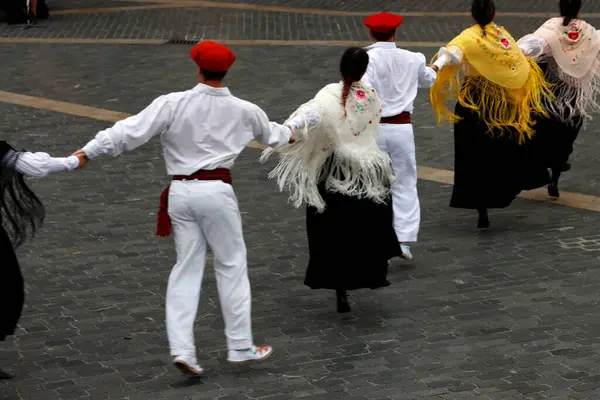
point(383, 22)
point(213, 57)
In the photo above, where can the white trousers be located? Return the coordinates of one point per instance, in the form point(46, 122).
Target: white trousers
point(205, 213)
point(399, 142)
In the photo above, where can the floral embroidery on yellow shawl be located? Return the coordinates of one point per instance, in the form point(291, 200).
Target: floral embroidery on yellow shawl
point(502, 85)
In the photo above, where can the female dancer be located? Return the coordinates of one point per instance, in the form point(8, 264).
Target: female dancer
point(338, 170)
point(568, 51)
point(497, 87)
point(21, 214)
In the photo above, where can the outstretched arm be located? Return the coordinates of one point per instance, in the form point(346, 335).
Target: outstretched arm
point(451, 55)
point(305, 117)
point(533, 46)
point(427, 75)
point(39, 165)
point(269, 133)
point(132, 132)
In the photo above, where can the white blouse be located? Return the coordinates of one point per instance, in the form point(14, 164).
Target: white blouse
point(306, 116)
point(534, 46)
point(39, 165)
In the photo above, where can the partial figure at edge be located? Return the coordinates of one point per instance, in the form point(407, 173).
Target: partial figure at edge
point(568, 51)
point(21, 215)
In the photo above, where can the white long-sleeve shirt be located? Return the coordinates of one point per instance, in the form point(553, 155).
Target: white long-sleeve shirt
point(39, 165)
point(397, 75)
point(201, 128)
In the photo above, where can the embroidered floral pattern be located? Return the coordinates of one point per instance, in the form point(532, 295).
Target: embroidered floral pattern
point(503, 45)
point(362, 99)
point(505, 42)
point(573, 31)
point(569, 36)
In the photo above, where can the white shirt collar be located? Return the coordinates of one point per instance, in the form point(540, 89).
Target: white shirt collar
point(382, 45)
point(223, 91)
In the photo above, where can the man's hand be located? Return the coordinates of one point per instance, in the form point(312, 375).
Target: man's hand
point(83, 159)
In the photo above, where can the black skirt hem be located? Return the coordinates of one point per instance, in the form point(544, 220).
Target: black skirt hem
point(349, 243)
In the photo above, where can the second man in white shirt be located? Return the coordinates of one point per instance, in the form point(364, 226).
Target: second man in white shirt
point(397, 74)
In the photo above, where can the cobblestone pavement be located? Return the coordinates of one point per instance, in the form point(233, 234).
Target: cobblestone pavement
point(504, 314)
point(255, 24)
point(424, 5)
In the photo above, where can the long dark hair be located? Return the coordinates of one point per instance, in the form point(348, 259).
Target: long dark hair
point(569, 9)
point(483, 12)
point(21, 212)
point(352, 67)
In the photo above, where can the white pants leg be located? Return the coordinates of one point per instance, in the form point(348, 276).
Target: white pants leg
point(399, 142)
point(206, 213)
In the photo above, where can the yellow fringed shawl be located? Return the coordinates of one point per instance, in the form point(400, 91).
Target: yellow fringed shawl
point(503, 86)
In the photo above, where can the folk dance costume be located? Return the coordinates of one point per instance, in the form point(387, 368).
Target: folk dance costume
point(21, 214)
point(396, 75)
point(203, 131)
point(337, 169)
point(497, 89)
point(568, 50)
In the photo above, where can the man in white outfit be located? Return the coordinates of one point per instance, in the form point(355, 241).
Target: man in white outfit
point(202, 130)
point(396, 75)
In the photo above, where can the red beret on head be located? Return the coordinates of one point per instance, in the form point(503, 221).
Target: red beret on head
point(213, 57)
point(383, 22)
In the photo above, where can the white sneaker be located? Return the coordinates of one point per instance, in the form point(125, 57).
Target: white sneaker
point(406, 253)
point(255, 353)
point(188, 365)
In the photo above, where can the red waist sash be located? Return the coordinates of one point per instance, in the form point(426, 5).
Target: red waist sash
point(400, 119)
point(163, 225)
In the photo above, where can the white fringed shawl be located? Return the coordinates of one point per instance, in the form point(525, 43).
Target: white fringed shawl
point(357, 167)
point(573, 66)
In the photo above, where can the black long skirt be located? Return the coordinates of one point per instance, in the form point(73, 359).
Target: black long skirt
point(490, 170)
point(554, 139)
point(349, 243)
point(12, 291)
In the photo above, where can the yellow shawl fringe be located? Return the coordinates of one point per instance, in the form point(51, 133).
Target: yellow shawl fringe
point(501, 66)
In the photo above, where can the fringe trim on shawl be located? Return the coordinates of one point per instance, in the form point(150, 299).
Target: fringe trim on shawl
point(304, 164)
point(500, 108)
point(574, 96)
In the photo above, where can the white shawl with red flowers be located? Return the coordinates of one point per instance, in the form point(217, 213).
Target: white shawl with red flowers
point(335, 148)
point(572, 53)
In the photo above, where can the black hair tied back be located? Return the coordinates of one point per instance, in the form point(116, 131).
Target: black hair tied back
point(353, 66)
point(483, 11)
point(569, 9)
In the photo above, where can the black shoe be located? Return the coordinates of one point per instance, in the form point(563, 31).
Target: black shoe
point(342, 303)
point(4, 375)
point(553, 190)
point(483, 222)
point(566, 167)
